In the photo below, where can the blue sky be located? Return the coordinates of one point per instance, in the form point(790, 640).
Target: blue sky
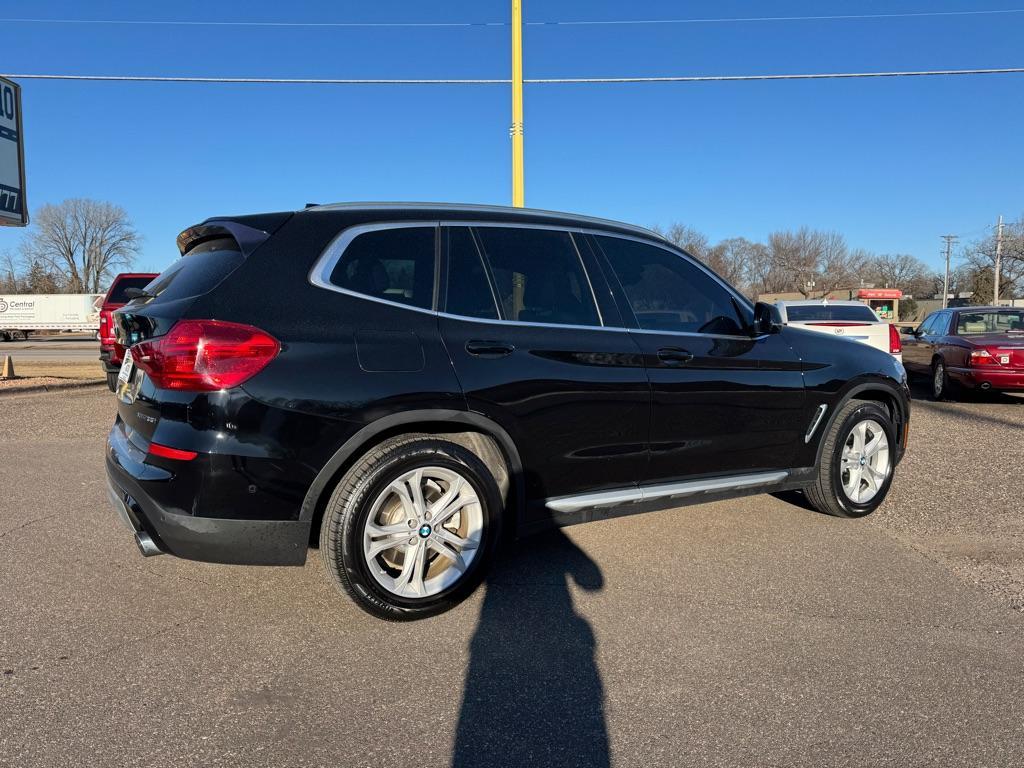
point(892, 164)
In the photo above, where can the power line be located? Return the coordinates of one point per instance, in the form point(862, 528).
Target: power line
point(553, 23)
point(505, 81)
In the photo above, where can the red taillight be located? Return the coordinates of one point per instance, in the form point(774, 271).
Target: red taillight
point(895, 343)
point(166, 452)
point(205, 355)
point(106, 326)
point(982, 357)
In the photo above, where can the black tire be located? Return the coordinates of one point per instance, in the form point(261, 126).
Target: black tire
point(826, 494)
point(112, 381)
point(341, 534)
point(943, 388)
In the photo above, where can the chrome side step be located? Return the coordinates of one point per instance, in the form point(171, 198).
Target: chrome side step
point(569, 504)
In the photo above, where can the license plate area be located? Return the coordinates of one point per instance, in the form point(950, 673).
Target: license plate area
point(127, 365)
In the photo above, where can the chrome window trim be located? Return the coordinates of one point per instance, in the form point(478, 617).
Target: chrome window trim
point(323, 267)
point(643, 493)
point(319, 274)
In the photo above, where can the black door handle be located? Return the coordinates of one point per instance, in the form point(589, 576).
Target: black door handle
point(482, 348)
point(674, 356)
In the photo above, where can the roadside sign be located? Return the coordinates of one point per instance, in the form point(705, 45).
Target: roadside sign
point(13, 211)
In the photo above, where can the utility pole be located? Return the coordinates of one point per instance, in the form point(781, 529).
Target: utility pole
point(950, 239)
point(999, 255)
point(516, 132)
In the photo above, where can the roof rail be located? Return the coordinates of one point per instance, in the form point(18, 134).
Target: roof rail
point(471, 208)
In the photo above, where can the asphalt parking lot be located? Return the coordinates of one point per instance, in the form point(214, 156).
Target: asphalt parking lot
point(751, 632)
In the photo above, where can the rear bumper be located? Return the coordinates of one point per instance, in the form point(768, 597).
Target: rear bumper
point(214, 540)
point(975, 378)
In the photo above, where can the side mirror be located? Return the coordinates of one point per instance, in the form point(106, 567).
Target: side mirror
point(767, 318)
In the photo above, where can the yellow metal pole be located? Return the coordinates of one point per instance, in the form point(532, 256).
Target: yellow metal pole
point(518, 177)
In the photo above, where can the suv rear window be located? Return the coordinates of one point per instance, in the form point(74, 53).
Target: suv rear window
point(845, 312)
point(197, 272)
point(117, 289)
point(395, 264)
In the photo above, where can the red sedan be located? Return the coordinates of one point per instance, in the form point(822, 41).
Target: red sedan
point(969, 348)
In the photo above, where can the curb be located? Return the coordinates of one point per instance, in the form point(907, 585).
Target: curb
point(33, 390)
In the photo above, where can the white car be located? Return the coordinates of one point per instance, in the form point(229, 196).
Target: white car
point(845, 319)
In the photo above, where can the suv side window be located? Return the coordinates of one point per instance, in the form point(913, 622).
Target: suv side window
point(538, 276)
point(395, 264)
point(469, 289)
point(667, 293)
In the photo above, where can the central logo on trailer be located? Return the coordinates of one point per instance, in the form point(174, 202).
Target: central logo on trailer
point(839, 330)
point(3, 305)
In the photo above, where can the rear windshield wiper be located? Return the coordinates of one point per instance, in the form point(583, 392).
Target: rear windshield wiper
point(138, 293)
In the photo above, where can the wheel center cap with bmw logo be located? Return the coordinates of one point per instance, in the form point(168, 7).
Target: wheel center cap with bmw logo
point(425, 530)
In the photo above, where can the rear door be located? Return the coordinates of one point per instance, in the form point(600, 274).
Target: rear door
point(722, 402)
point(538, 348)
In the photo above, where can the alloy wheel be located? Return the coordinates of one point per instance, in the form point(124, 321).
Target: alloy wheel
point(423, 532)
point(865, 463)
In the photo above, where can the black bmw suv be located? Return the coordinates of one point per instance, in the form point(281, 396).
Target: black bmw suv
point(411, 384)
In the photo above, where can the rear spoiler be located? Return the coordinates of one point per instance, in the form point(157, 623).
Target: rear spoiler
point(249, 238)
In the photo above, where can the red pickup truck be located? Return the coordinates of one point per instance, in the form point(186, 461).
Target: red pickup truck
point(110, 352)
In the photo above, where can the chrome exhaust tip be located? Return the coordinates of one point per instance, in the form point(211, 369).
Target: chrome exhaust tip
point(146, 545)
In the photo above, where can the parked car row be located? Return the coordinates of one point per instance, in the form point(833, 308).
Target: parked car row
point(960, 349)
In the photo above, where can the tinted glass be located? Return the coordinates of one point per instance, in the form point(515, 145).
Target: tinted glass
point(392, 264)
point(926, 324)
point(968, 323)
point(538, 276)
point(117, 292)
point(198, 271)
point(831, 312)
point(469, 292)
point(667, 293)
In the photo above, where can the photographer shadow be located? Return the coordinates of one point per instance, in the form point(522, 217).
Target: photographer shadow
point(533, 695)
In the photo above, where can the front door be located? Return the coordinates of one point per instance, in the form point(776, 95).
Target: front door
point(918, 347)
point(723, 403)
point(533, 351)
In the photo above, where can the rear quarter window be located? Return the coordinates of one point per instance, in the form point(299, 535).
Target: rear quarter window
point(393, 264)
point(827, 312)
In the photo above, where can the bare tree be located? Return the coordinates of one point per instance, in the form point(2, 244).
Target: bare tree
point(690, 240)
point(815, 262)
point(732, 260)
point(9, 279)
point(86, 241)
point(900, 270)
point(981, 255)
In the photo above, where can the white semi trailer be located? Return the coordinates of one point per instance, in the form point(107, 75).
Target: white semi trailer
point(22, 314)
